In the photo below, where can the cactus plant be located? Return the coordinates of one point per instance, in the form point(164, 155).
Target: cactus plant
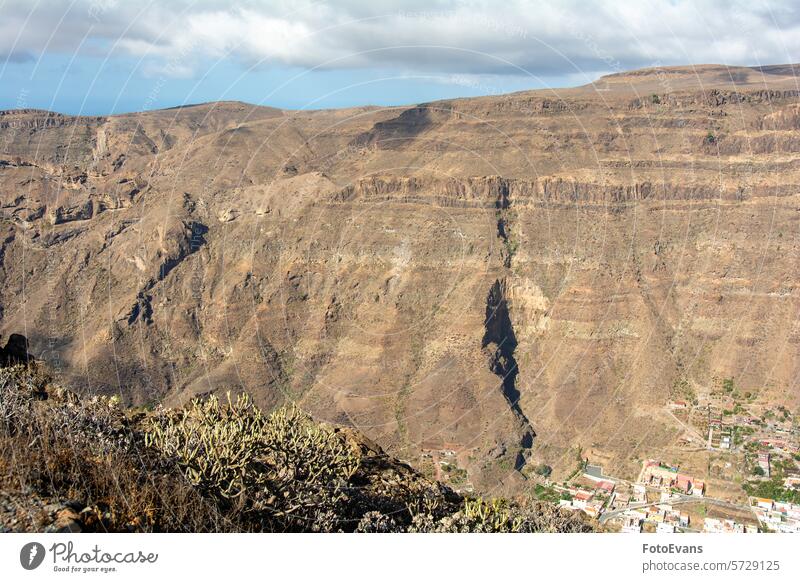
point(286, 465)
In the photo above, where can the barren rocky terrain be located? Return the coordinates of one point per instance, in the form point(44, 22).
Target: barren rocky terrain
point(521, 279)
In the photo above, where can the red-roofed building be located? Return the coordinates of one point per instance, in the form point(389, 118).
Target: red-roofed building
point(684, 483)
point(606, 486)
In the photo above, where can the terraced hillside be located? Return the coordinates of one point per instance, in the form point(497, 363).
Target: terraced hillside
point(519, 279)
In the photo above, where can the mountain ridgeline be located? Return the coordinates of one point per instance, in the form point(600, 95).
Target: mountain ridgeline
point(510, 279)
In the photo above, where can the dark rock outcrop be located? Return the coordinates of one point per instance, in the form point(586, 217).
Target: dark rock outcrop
point(15, 351)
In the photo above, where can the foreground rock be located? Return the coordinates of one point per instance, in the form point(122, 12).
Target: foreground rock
point(70, 464)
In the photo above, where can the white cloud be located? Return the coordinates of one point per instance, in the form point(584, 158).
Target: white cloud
point(466, 37)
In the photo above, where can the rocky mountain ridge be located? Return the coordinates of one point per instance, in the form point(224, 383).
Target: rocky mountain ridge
point(394, 269)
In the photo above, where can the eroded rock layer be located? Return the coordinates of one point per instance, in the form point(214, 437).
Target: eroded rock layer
point(513, 278)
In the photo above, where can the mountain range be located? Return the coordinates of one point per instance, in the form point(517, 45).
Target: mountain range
point(517, 280)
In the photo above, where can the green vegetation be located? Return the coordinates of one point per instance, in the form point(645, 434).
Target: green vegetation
point(739, 433)
point(783, 466)
point(458, 476)
point(728, 385)
point(497, 515)
point(580, 468)
point(544, 493)
point(750, 396)
point(543, 470)
point(773, 489)
point(511, 244)
point(222, 466)
point(427, 468)
point(504, 464)
point(681, 389)
point(289, 464)
point(64, 448)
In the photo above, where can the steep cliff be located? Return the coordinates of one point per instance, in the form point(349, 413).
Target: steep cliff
point(511, 278)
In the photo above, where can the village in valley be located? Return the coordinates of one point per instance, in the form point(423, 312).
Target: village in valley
point(741, 473)
point(751, 481)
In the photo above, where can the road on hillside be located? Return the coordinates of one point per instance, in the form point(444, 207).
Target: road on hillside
point(678, 499)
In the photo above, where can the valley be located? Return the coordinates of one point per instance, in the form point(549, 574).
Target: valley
point(520, 279)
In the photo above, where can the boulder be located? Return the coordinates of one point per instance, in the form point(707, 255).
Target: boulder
point(16, 351)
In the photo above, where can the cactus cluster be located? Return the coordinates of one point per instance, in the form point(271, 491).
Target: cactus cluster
point(59, 447)
point(475, 515)
point(284, 466)
point(214, 445)
point(224, 465)
point(492, 516)
point(499, 515)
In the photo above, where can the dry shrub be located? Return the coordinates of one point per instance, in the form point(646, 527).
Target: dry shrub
point(224, 467)
point(67, 450)
point(503, 516)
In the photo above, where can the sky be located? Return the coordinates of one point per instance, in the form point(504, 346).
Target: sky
point(98, 57)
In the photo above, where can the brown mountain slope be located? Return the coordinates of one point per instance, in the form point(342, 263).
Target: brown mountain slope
point(463, 274)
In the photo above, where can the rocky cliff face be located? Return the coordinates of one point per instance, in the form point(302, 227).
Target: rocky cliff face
point(513, 278)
